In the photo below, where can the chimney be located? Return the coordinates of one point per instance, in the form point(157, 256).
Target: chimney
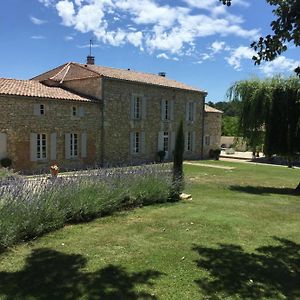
point(162, 74)
point(90, 60)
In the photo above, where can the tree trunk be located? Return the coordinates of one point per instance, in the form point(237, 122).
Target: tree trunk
point(298, 188)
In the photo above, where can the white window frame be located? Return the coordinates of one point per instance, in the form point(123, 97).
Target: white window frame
point(137, 143)
point(74, 145)
point(166, 110)
point(42, 109)
point(189, 145)
point(41, 146)
point(191, 110)
point(166, 141)
point(137, 107)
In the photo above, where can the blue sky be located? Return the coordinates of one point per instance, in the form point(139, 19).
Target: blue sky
point(198, 42)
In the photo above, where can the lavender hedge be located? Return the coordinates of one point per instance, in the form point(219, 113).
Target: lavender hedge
point(31, 207)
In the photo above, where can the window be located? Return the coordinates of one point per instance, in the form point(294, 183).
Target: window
point(191, 109)
point(189, 145)
point(207, 140)
point(39, 109)
point(137, 105)
point(166, 141)
point(73, 145)
point(74, 111)
point(41, 146)
point(166, 110)
point(136, 142)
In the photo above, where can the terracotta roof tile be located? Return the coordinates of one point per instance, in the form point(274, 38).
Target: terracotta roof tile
point(74, 71)
point(212, 109)
point(32, 88)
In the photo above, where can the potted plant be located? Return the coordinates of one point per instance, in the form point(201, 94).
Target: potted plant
point(54, 170)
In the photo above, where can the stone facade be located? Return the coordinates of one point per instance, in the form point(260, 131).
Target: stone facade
point(18, 122)
point(123, 121)
point(212, 129)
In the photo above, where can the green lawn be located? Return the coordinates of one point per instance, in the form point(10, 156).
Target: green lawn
point(239, 238)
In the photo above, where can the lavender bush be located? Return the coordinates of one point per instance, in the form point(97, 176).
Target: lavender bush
point(31, 207)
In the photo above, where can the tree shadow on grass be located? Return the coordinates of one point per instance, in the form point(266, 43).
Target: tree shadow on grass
point(49, 274)
point(260, 190)
point(273, 272)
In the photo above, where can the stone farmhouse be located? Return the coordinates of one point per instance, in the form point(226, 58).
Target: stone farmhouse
point(83, 115)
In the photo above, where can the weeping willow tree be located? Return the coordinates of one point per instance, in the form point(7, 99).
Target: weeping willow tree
point(270, 114)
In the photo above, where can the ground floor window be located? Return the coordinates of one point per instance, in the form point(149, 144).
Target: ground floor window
point(207, 140)
point(41, 146)
point(189, 146)
point(166, 141)
point(73, 145)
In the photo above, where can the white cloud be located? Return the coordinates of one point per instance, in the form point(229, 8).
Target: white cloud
point(159, 27)
point(280, 64)
point(46, 2)
point(38, 37)
point(239, 54)
point(163, 55)
point(37, 21)
point(69, 38)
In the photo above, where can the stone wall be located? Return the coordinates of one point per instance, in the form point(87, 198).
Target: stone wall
point(119, 124)
point(212, 128)
point(18, 121)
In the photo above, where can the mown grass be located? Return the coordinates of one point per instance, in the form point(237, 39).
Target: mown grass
point(237, 239)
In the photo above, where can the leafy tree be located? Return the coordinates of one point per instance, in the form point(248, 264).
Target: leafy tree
point(230, 126)
point(286, 29)
point(270, 114)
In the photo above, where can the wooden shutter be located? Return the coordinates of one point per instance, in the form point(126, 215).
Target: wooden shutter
point(67, 145)
point(172, 117)
point(33, 146)
point(187, 111)
point(193, 141)
point(194, 111)
point(132, 142)
point(36, 110)
point(144, 108)
point(160, 142)
point(132, 107)
point(162, 109)
point(186, 137)
point(84, 145)
point(3, 145)
point(143, 142)
point(53, 146)
point(81, 111)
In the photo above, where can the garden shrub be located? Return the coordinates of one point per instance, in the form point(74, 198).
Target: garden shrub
point(29, 208)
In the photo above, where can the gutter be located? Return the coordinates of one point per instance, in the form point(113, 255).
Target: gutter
point(203, 122)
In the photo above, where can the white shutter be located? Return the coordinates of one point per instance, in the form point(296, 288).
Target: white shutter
point(193, 141)
point(143, 142)
point(84, 145)
point(33, 146)
point(186, 111)
point(53, 146)
point(144, 108)
point(132, 107)
point(160, 142)
point(186, 136)
point(36, 109)
point(172, 110)
point(67, 145)
point(194, 111)
point(3, 145)
point(81, 111)
point(162, 109)
point(131, 142)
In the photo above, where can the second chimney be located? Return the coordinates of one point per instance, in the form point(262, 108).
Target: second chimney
point(162, 74)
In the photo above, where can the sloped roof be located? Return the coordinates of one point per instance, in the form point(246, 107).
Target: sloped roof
point(210, 109)
point(31, 88)
point(75, 71)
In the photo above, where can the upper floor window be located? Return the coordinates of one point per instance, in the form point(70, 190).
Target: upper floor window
point(39, 109)
point(137, 107)
point(41, 146)
point(74, 111)
point(191, 111)
point(166, 110)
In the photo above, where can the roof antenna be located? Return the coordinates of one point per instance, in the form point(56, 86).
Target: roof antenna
point(90, 60)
